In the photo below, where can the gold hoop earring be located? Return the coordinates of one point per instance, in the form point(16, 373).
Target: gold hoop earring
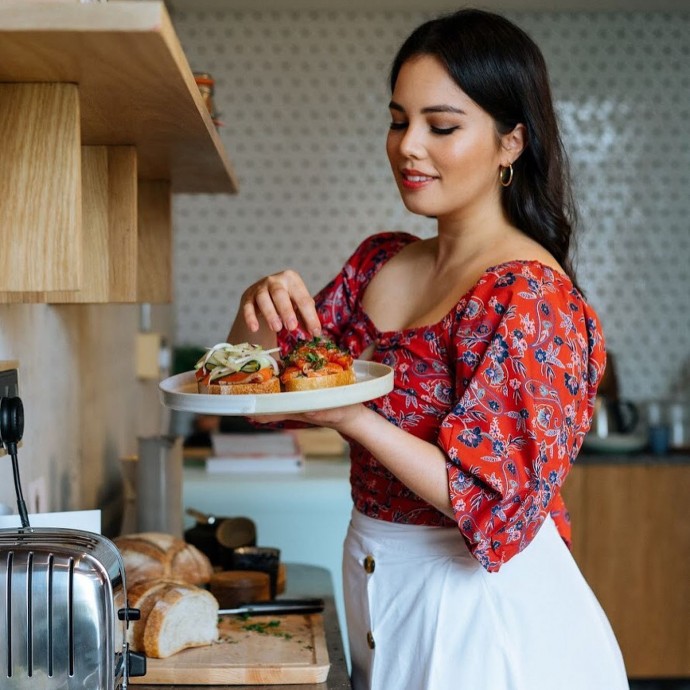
point(505, 175)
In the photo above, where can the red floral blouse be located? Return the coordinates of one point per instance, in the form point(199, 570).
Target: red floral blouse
point(503, 384)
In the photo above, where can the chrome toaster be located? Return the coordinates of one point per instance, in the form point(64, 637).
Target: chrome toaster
point(60, 625)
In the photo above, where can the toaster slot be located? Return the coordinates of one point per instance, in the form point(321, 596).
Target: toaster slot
point(29, 616)
point(56, 595)
point(7, 626)
point(50, 615)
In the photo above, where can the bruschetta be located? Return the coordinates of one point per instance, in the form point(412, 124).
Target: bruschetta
point(316, 363)
point(243, 369)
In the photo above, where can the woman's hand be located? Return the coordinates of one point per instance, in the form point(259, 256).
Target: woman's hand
point(277, 301)
point(343, 419)
point(282, 300)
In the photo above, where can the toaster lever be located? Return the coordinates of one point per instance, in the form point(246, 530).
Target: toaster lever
point(128, 614)
point(136, 664)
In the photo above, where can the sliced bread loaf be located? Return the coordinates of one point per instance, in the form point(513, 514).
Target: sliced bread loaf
point(182, 616)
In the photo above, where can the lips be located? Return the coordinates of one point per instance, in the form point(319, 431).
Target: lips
point(415, 179)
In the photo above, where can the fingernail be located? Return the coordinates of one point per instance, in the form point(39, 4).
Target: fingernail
point(292, 324)
point(277, 325)
point(317, 332)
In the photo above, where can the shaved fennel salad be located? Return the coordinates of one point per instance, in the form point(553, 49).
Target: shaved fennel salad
point(243, 363)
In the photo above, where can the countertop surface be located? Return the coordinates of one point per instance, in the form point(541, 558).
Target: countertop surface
point(327, 469)
point(642, 458)
point(302, 581)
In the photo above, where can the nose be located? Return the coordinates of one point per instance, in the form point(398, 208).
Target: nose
point(411, 143)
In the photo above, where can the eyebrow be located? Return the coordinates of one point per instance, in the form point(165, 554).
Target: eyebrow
point(430, 109)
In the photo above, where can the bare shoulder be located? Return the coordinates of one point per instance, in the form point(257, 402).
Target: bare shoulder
point(526, 249)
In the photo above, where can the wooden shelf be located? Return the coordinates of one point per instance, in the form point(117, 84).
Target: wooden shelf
point(135, 85)
point(101, 121)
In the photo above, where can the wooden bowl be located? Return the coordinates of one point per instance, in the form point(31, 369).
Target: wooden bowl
point(233, 588)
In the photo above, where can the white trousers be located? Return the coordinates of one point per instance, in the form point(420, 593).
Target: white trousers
point(422, 614)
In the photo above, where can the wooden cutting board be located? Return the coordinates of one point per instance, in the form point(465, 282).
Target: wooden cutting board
point(261, 650)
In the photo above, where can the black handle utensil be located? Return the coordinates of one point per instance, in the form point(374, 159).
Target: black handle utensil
point(275, 607)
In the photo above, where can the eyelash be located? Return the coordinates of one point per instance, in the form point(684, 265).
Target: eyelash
point(397, 126)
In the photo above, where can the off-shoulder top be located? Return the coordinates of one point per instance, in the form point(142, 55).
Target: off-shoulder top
point(504, 384)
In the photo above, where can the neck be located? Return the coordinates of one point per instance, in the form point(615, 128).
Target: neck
point(464, 238)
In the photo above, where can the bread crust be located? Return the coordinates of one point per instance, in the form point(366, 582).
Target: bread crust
point(310, 383)
point(142, 596)
point(156, 555)
point(270, 386)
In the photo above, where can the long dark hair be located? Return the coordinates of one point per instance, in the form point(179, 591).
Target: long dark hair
point(502, 70)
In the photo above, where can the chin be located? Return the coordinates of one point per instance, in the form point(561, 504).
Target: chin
point(419, 209)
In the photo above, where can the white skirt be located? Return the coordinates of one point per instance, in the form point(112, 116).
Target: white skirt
point(422, 614)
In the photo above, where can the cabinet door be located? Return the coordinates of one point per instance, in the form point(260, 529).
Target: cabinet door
point(631, 539)
point(109, 221)
point(154, 255)
point(40, 188)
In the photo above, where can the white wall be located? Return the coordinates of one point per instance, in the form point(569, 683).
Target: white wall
point(84, 406)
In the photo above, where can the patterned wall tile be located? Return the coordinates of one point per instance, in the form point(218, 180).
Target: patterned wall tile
point(303, 99)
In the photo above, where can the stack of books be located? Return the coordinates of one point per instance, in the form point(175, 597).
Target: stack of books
point(262, 452)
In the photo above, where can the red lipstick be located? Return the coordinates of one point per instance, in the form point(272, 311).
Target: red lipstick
point(415, 179)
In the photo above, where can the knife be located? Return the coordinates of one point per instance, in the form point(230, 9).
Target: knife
point(275, 607)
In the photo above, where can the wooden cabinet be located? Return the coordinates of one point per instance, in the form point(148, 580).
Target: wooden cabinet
point(40, 187)
point(154, 252)
point(101, 121)
point(631, 539)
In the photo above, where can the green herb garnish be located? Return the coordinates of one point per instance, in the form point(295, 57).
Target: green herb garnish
point(263, 628)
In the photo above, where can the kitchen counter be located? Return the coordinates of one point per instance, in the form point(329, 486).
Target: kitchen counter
point(644, 458)
point(302, 581)
point(309, 521)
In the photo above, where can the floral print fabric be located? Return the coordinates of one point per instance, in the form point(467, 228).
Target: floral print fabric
point(504, 384)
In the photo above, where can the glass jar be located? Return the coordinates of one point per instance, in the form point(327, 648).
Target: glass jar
point(206, 85)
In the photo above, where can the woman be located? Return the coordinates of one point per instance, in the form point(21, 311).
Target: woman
point(456, 569)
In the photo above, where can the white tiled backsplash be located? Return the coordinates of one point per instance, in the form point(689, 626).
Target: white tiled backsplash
point(303, 96)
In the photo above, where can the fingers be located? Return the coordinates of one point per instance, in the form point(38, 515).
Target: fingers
point(267, 418)
point(305, 306)
point(275, 298)
point(276, 418)
point(266, 303)
point(250, 317)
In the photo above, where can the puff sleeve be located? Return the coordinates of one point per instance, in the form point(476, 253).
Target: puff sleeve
point(529, 355)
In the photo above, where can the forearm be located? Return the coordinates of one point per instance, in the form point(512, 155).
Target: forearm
point(420, 465)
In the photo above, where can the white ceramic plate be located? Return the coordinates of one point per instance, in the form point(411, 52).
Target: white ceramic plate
point(372, 381)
